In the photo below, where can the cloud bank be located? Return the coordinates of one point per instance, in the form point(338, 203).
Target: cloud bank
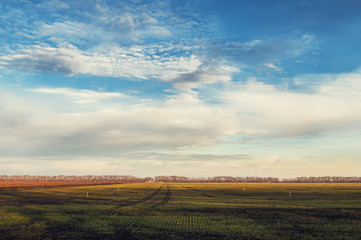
point(171, 85)
point(249, 109)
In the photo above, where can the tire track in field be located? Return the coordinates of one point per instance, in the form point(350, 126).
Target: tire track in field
point(199, 191)
point(166, 198)
point(145, 199)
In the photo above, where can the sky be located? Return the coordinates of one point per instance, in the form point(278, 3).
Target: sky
point(180, 87)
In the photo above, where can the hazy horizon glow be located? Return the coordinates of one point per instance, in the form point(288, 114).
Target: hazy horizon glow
point(194, 88)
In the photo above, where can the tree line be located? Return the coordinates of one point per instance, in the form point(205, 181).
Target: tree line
point(230, 179)
point(75, 179)
point(131, 179)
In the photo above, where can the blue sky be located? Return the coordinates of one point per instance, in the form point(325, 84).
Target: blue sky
point(194, 88)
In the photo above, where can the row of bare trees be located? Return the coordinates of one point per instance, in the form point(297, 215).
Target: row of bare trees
point(226, 179)
point(74, 178)
point(324, 179)
point(230, 179)
point(131, 179)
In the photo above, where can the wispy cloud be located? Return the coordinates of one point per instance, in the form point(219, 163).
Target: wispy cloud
point(79, 95)
point(136, 62)
point(88, 23)
point(101, 40)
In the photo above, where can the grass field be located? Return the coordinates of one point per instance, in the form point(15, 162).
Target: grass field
point(182, 211)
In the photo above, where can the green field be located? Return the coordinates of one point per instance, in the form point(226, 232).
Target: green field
point(182, 211)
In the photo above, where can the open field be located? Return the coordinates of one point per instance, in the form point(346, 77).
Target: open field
point(182, 211)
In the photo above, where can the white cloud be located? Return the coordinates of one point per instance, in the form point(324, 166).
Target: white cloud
point(206, 73)
point(132, 62)
point(79, 95)
point(104, 129)
point(132, 23)
point(331, 106)
point(272, 66)
point(184, 132)
point(32, 126)
point(301, 43)
point(88, 23)
point(70, 31)
point(67, 60)
point(53, 5)
point(346, 86)
point(182, 98)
